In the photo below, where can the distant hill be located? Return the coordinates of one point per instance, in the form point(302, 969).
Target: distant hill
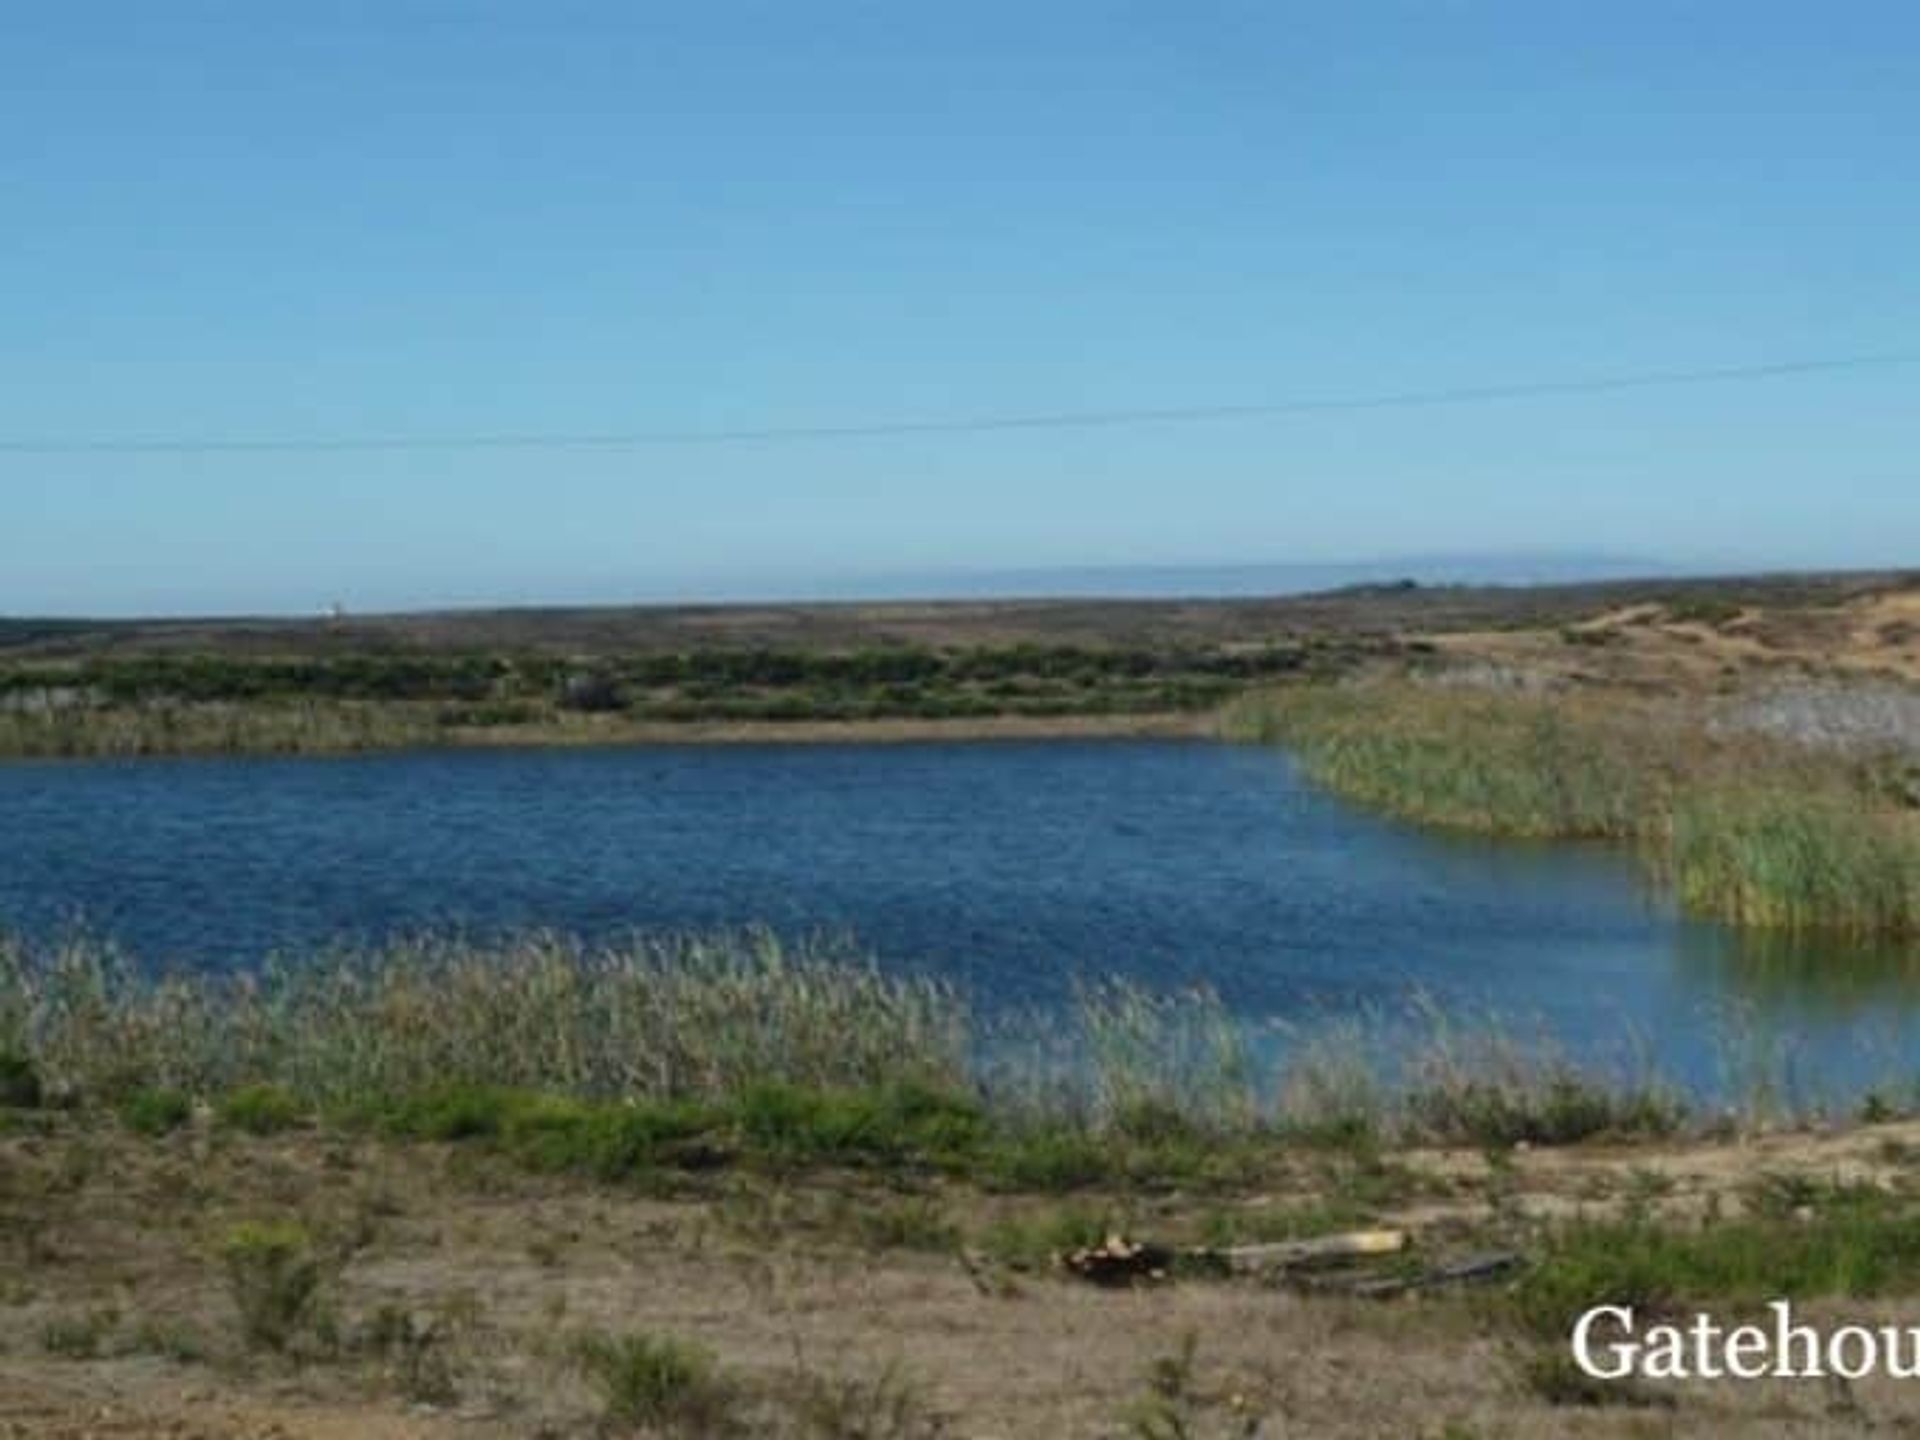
point(1347, 602)
point(1122, 582)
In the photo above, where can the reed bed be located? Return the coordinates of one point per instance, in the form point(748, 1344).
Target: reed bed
point(798, 1049)
point(1500, 764)
point(659, 1018)
point(215, 728)
point(1820, 858)
point(1749, 828)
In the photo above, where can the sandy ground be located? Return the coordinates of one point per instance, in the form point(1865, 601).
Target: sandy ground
point(1645, 646)
point(116, 1318)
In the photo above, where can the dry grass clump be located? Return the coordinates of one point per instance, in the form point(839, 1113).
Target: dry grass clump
point(273, 1275)
point(662, 1385)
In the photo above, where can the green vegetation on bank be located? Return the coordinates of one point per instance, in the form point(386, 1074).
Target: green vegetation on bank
point(1857, 1241)
point(1750, 830)
point(801, 1103)
point(1488, 762)
point(686, 1053)
point(195, 703)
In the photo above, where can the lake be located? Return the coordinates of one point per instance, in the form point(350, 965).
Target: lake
point(1012, 868)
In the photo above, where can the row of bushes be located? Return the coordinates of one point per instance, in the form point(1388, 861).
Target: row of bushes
point(284, 726)
point(201, 704)
point(207, 678)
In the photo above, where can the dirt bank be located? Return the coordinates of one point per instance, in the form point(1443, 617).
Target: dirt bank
point(454, 1297)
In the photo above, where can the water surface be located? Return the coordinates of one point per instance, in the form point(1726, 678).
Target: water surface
point(1012, 868)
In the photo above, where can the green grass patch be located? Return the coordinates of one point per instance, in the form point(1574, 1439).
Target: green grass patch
point(155, 1111)
point(608, 1139)
point(261, 1109)
point(770, 1124)
point(891, 1125)
point(1855, 1244)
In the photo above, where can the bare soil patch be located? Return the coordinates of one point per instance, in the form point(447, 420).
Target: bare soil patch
point(455, 1289)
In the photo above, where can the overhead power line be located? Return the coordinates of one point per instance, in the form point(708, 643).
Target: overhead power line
point(968, 425)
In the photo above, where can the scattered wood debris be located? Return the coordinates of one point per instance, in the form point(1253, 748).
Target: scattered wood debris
point(1469, 1269)
point(1287, 1255)
point(1119, 1261)
point(1327, 1263)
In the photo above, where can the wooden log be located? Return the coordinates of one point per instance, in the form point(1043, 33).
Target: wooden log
point(1301, 1254)
point(1487, 1265)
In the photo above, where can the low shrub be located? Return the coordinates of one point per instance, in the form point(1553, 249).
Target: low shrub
point(273, 1276)
point(20, 1086)
point(1052, 1159)
point(79, 1337)
point(1558, 1109)
point(883, 1406)
point(261, 1109)
point(893, 1124)
point(155, 1111)
point(612, 1141)
point(664, 1385)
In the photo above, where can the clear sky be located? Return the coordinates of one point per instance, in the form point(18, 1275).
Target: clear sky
point(330, 221)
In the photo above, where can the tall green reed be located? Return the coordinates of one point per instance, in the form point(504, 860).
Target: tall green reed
point(1751, 830)
point(217, 728)
point(657, 1018)
point(740, 1018)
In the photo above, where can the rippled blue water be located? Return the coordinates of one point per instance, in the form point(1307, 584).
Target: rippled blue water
point(1009, 867)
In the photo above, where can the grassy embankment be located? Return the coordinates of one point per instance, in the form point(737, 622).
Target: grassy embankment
point(167, 704)
point(667, 1056)
point(1750, 829)
point(680, 1053)
point(810, 1107)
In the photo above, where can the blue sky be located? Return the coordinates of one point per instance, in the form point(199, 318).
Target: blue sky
point(334, 221)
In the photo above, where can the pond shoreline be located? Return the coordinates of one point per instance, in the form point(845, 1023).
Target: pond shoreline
point(1154, 725)
point(595, 732)
point(957, 1284)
